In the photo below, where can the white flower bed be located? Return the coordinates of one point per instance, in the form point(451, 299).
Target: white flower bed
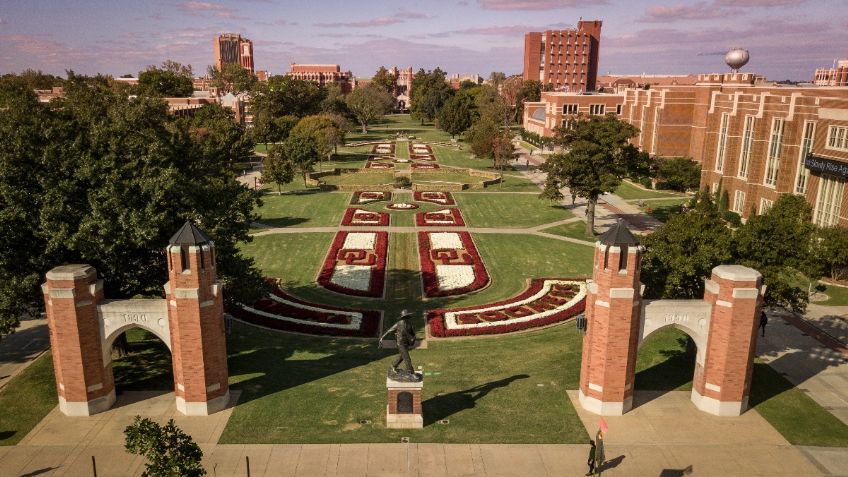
point(355, 317)
point(354, 277)
point(418, 145)
point(451, 277)
point(360, 241)
point(445, 240)
point(403, 205)
point(451, 317)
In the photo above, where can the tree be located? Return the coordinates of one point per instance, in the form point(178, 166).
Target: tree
point(682, 253)
point(531, 90)
point(284, 95)
point(172, 80)
point(493, 106)
point(277, 168)
point(32, 79)
point(430, 91)
point(170, 451)
point(597, 156)
point(220, 137)
point(384, 79)
point(832, 248)
point(781, 244)
point(233, 78)
point(496, 78)
point(679, 173)
point(503, 150)
point(302, 152)
point(481, 136)
point(458, 113)
point(334, 102)
point(326, 132)
point(368, 104)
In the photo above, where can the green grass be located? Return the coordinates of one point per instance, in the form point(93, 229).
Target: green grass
point(460, 177)
point(575, 230)
point(460, 158)
point(662, 363)
point(372, 178)
point(663, 209)
point(27, 398)
point(147, 366)
point(400, 218)
point(837, 296)
point(318, 209)
point(402, 149)
point(518, 210)
point(628, 191)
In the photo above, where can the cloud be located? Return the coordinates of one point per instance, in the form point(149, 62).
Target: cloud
point(399, 17)
point(498, 30)
point(206, 9)
point(759, 3)
point(534, 4)
point(681, 11)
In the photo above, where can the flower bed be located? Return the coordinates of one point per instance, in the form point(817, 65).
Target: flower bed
point(365, 218)
point(402, 206)
point(441, 198)
point(356, 264)
point(545, 301)
point(418, 148)
point(450, 264)
point(366, 197)
point(440, 218)
point(419, 165)
point(422, 157)
point(379, 165)
point(383, 148)
point(282, 311)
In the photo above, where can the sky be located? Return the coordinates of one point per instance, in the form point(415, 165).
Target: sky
point(787, 39)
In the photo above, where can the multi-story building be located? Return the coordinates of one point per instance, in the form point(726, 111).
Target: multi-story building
point(757, 139)
point(457, 79)
point(557, 109)
point(323, 75)
point(403, 87)
point(565, 59)
point(618, 83)
point(231, 48)
point(836, 76)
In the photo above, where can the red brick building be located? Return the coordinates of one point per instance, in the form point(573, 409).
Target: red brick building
point(323, 75)
point(556, 109)
point(758, 139)
point(231, 48)
point(836, 76)
point(566, 59)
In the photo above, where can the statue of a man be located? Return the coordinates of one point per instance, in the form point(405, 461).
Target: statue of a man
point(405, 339)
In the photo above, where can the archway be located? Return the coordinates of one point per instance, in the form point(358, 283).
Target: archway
point(147, 364)
point(665, 361)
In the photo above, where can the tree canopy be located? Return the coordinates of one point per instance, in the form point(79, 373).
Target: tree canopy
point(384, 79)
point(169, 451)
point(369, 103)
point(233, 78)
point(679, 173)
point(172, 80)
point(429, 92)
point(459, 112)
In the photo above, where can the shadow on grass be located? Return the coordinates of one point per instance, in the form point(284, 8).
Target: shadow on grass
point(446, 405)
point(284, 221)
point(147, 365)
point(673, 372)
point(676, 472)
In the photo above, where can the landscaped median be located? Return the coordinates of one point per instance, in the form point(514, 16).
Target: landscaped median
point(450, 264)
point(356, 264)
point(545, 301)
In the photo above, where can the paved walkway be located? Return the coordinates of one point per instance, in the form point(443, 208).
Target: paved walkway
point(18, 349)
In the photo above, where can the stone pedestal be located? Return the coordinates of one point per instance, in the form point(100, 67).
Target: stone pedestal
point(403, 410)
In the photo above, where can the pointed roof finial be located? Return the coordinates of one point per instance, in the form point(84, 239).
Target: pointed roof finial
point(618, 234)
point(189, 235)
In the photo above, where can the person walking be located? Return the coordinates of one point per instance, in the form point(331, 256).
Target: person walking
point(600, 457)
point(591, 461)
point(763, 321)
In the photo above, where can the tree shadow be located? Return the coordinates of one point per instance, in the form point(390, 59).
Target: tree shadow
point(38, 472)
point(22, 345)
point(283, 221)
point(670, 374)
point(7, 434)
point(676, 472)
point(446, 405)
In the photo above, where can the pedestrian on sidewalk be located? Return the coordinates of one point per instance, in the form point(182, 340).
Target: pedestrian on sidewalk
point(763, 321)
point(600, 457)
point(591, 461)
point(573, 198)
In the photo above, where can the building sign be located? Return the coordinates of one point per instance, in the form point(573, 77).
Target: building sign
point(827, 166)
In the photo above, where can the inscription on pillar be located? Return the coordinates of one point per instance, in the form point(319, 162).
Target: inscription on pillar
point(404, 403)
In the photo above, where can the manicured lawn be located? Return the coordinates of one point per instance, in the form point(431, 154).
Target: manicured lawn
point(147, 366)
point(372, 178)
point(401, 218)
point(838, 296)
point(628, 191)
point(502, 210)
point(318, 209)
point(402, 149)
point(26, 400)
point(663, 209)
point(512, 183)
point(460, 158)
point(461, 177)
point(575, 230)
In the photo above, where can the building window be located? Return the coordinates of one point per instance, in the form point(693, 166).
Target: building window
point(654, 131)
point(738, 201)
point(747, 138)
point(775, 146)
point(837, 138)
point(569, 109)
point(829, 202)
point(806, 146)
point(722, 142)
point(596, 109)
point(618, 109)
point(765, 205)
point(714, 188)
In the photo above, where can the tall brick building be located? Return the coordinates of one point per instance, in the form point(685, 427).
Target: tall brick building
point(323, 75)
point(759, 139)
point(565, 59)
point(231, 48)
point(836, 76)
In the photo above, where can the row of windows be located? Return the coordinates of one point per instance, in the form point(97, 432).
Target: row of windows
point(827, 208)
point(594, 109)
point(837, 138)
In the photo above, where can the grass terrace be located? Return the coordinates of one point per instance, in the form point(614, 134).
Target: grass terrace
point(508, 211)
point(315, 209)
point(575, 230)
point(629, 191)
point(364, 179)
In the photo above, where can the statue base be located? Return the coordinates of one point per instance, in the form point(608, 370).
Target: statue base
point(403, 410)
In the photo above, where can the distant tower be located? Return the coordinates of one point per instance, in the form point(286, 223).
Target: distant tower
point(613, 314)
point(196, 317)
point(231, 48)
point(736, 58)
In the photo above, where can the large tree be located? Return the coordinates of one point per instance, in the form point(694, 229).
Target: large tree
point(325, 130)
point(278, 168)
point(832, 251)
point(233, 78)
point(302, 152)
point(172, 80)
point(284, 95)
point(95, 177)
point(384, 79)
point(459, 112)
point(369, 103)
point(429, 92)
point(597, 155)
point(679, 173)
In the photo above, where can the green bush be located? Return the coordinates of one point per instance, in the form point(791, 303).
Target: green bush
point(403, 182)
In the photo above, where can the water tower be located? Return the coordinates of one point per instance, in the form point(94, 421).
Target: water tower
point(736, 58)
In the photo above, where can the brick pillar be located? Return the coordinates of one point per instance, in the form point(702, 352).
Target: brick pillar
point(613, 320)
point(397, 417)
point(84, 378)
point(196, 319)
point(723, 385)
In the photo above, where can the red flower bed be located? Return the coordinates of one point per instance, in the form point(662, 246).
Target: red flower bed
point(440, 218)
point(365, 218)
point(374, 258)
point(420, 166)
point(391, 149)
point(379, 165)
point(468, 255)
point(304, 317)
point(506, 317)
point(422, 157)
point(367, 197)
point(441, 198)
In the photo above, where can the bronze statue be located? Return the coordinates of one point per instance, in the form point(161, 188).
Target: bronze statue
point(405, 339)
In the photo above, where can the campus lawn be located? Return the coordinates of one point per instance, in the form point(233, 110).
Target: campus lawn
point(316, 209)
point(837, 296)
point(460, 158)
point(460, 177)
point(26, 399)
point(400, 218)
point(663, 209)
point(511, 211)
point(576, 230)
point(628, 191)
point(512, 183)
point(362, 178)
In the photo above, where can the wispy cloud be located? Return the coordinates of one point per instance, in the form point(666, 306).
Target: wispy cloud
point(534, 4)
point(498, 30)
point(759, 3)
point(682, 11)
point(207, 9)
point(399, 17)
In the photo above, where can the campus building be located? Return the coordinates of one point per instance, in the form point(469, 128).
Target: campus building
point(618, 83)
point(565, 59)
point(323, 75)
point(758, 140)
point(836, 76)
point(231, 48)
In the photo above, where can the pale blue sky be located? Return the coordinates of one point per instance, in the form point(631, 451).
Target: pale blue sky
point(786, 38)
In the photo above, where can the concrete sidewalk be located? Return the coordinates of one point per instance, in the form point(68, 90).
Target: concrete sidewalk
point(19, 349)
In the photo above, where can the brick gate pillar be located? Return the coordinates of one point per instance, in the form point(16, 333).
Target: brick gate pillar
point(613, 320)
point(723, 385)
point(196, 320)
point(84, 379)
